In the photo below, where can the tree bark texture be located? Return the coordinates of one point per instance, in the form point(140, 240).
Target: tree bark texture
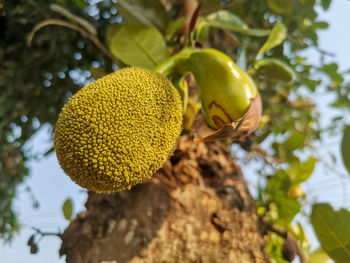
point(197, 208)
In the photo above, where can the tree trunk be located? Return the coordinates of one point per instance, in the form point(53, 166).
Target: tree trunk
point(197, 208)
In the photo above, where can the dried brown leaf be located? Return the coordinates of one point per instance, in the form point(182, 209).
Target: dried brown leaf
point(235, 130)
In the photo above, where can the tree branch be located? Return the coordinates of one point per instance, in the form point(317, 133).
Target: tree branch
point(46, 233)
point(74, 27)
point(84, 23)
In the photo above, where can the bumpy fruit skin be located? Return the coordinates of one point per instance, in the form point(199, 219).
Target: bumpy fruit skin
point(119, 130)
point(225, 89)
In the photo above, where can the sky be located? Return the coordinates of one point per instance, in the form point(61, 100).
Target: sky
point(51, 187)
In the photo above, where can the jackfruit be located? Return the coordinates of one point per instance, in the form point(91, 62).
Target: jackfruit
point(118, 130)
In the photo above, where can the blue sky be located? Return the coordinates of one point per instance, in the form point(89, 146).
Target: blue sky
point(51, 187)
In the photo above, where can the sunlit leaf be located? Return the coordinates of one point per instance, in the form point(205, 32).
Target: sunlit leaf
point(332, 229)
point(318, 256)
point(287, 208)
point(138, 45)
point(345, 147)
point(280, 6)
point(277, 36)
point(227, 20)
point(67, 209)
point(300, 172)
point(146, 12)
point(274, 69)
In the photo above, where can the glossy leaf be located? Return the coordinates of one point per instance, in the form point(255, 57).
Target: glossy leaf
point(345, 148)
point(146, 12)
point(138, 45)
point(227, 20)
point(277, 36)
point(67, 209)
point(280, 6)
point(318, 256)
point(275, 69)
point(332, 229)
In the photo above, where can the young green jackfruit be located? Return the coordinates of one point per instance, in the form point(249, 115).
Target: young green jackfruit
point(225, 89)
point(119, 130)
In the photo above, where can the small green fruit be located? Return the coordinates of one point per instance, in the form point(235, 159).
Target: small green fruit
point(225, 89)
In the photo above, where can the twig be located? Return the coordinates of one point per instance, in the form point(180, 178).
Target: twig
point(79, 29)
point(46, 233)
point(256, 147)
point(84, 23)
point(248, 145)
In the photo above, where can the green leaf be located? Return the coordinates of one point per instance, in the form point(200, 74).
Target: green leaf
point(295, 141)
point(277, 36)
point(325, 4)
point(111, 31)
point(280, 6)
point(332, 229)
point(345, 147)
point(275, 69)
point(280, 182)
point(300, 172)
point(332, 71)
point(287, 208)
point(227, 20)
point(67, 209)
point(318, 256)
point(320, 25)
point(145, 12)
point(139, 45)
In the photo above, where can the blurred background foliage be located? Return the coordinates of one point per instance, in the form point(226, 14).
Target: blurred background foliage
point(37, 79)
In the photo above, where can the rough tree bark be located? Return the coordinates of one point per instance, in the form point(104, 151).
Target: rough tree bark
point(197, 208)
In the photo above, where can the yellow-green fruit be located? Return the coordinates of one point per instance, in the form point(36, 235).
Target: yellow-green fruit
point(119, 130)
point(225, 89)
